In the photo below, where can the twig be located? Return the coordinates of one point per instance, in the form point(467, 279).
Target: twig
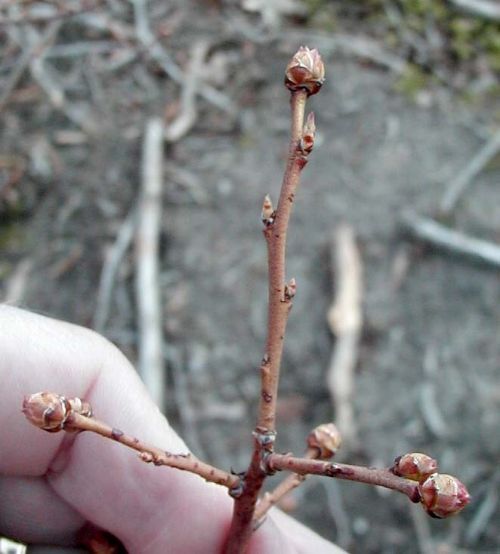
point(371, 476)
point(151, 366)
point(345, 322)
point(110, 268)
point(280, 293)
point(458, 243)
point(187, 117)
point(465, 177)
point(34, 49)
point(156, 51)
point(54, 413)
point(66, 12)
point(482, 8)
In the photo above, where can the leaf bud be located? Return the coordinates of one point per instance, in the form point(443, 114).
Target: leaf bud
point(308, 134)
point(267, 214)
point(326, 439)
point(291, 288)
point(443, 495)
point(414, 466)
point(47, 410)
point(305, 71)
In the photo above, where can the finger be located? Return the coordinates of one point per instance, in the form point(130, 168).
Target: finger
point(30, 510)
point(149, 509)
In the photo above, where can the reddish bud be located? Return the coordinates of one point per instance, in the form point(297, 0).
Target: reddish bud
point(305, 71)
point(414, 466)
point(308, 134)
point(326, 439)
point(47, 410)
point(443, 495)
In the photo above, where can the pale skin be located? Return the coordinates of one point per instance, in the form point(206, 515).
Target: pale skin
point(51, 485)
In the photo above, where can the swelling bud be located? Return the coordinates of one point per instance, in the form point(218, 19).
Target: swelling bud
point(443, 495)
point(305, 71)
point(325, 439)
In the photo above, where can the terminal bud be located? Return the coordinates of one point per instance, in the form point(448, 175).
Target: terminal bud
point(305, 71)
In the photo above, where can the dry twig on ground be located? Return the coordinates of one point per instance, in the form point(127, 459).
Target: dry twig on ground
point(435, 233)
point(345, 322)
point(151, 365)
point(466, 176)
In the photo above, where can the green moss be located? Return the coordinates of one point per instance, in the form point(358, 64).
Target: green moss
point(12, 236)
point(412, 81)
point(465, 38)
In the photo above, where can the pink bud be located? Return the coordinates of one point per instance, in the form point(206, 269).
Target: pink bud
point(305, 71)
point(414, 466)
point(46, 410)
point(308, 133)
point(326, 439)
point(443, 495)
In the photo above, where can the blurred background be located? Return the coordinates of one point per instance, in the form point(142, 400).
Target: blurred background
point(138, 140)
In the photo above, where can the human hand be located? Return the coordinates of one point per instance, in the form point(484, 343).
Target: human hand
point(52, 485)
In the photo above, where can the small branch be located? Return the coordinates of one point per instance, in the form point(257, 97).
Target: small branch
point(53, 413)
point(66, 12)
point(486, 9)
point(187, 117)
point(345, 321)
point(156, 51)
point(371, 476)
point(430, 231)
point(36, 48)
point(151, 366)
point(110, 269)
point(458, 185)
point(304, 76)
point(278, 310)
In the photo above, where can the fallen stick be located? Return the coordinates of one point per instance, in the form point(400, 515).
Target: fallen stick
point(34, 49)
point(110, 268)
point(468, 173)
point(156, 51)
point(187, 116)
point(481, 8)
point(430, 231)
point(345, 322)
point(151, 364)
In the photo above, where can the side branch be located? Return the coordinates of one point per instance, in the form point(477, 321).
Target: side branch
point(52, 412)
point(371, 476)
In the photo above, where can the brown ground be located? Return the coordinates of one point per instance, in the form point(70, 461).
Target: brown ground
point(427, 376)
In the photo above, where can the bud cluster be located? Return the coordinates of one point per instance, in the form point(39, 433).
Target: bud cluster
point(441, 495)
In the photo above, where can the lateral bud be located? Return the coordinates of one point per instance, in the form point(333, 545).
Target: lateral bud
point(290, 289)
point(415, 466)
point(326, 439)
point(443, 495)
point(308, 134)
point(305, 71)
point(268, 213)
